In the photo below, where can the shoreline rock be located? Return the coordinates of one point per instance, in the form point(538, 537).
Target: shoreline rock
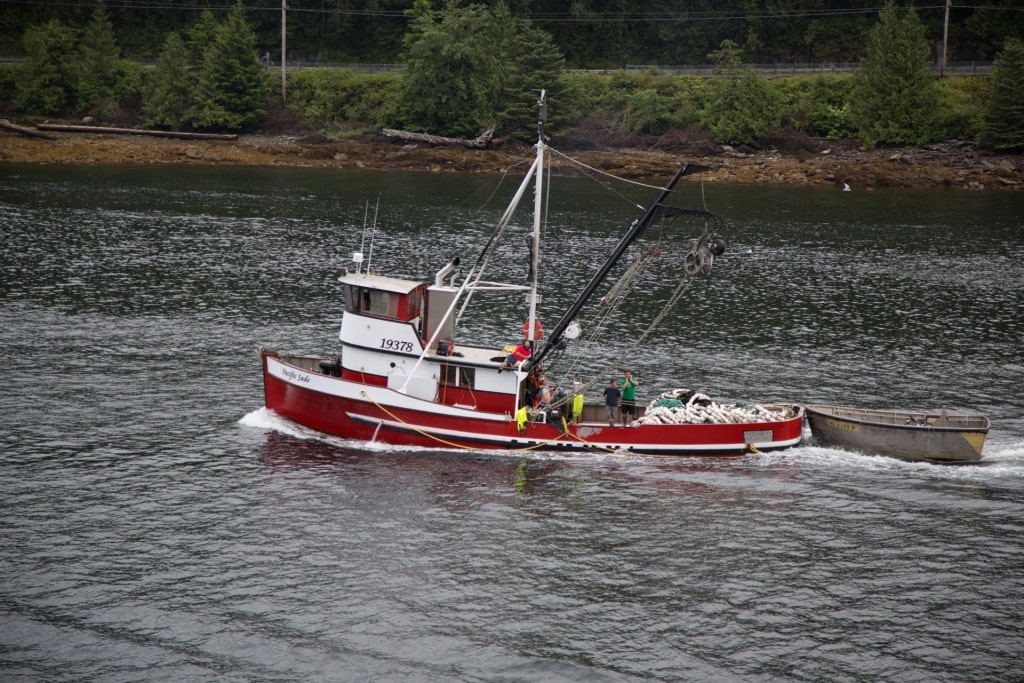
point(951, 165)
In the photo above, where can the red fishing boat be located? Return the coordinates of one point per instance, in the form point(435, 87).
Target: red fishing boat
point(405, 374)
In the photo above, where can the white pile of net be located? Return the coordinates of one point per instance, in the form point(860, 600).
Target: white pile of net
point(683, 406)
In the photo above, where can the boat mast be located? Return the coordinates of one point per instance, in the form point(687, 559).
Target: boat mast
point(542, 118)
point(635, 232)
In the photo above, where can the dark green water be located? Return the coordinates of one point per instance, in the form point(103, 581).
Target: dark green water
point(158, 524)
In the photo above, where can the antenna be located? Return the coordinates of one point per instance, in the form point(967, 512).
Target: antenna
point(542, 113)
point(373, 234)
point(357, 256)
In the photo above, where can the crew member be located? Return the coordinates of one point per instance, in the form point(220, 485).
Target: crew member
point(628, 385)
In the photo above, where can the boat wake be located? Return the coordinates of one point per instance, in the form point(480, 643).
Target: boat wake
point(264, 418)
point(996, 463)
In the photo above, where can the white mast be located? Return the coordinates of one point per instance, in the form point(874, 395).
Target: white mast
point(538, 205)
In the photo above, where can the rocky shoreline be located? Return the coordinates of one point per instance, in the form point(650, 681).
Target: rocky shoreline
point(792, 162)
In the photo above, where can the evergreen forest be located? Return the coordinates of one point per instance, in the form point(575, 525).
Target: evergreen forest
point(591, 34)
point(873, 72)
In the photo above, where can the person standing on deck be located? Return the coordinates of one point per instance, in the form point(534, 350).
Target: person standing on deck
point(628, 387)
point(611, 402)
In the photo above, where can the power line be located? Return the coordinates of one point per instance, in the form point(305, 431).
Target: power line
point(540, 17)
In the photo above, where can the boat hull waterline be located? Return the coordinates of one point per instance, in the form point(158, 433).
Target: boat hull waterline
point(906, 435)
point(365, 412)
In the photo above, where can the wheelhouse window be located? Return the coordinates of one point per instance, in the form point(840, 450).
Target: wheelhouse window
point(366, 300)
point(457, 376)
point(384, 303)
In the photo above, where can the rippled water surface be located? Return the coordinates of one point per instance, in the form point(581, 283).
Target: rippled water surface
point(158, 524)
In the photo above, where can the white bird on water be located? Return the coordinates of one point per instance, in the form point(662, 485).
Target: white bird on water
point(846, 187)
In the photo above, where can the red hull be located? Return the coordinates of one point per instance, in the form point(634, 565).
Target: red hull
point(364, 418)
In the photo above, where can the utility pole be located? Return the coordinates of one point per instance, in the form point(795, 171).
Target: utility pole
point(284, 51)
point(945, 41)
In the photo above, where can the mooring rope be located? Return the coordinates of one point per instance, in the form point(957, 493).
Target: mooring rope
point(452, 444)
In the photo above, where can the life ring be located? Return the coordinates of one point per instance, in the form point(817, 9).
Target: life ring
point(538, 330)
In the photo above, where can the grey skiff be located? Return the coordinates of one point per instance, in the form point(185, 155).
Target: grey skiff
point(904, 434)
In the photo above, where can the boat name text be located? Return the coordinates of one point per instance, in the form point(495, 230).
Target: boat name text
point(294, 376)
point(396, 345)
point(843, 425)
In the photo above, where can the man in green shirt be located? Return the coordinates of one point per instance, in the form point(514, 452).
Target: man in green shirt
point(628, 386)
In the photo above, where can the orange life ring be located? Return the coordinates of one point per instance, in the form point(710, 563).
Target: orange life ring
point(538, 329)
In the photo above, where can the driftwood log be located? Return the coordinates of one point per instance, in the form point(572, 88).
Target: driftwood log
point(30, 132)
point(136, 131)
point(482, 142)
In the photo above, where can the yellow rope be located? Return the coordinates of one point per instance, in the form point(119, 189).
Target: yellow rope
point(417, 430)
point(451, 443)
point(566, 432)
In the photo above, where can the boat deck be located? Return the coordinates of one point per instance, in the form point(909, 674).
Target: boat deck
point(474, 355)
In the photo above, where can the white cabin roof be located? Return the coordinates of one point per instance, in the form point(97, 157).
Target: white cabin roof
point(379, 282)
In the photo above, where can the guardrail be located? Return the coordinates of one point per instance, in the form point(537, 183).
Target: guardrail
point(300, 64)
point(797, 68)
point(776, 69)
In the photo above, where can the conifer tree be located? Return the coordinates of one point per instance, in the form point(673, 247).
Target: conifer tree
point(469, 68)
point(98, 65)
point(201, 36)
point(896, 97)
point(453, 71)
point(232, 90)
point(169, 98)
point(537, 64)
point(1004, 117)
point(48, 76)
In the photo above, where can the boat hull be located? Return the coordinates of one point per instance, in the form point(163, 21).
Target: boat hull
point(354, 410)
point(907, 435)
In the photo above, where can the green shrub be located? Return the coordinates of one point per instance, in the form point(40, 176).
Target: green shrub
point(637, 102)
point(742, 111)
point(585, 91)
point(830, 114)
point(320, 97)
point(962, 106)
point(795, 97)
point(127, 94)
point(691, 95)
point(817, 105)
